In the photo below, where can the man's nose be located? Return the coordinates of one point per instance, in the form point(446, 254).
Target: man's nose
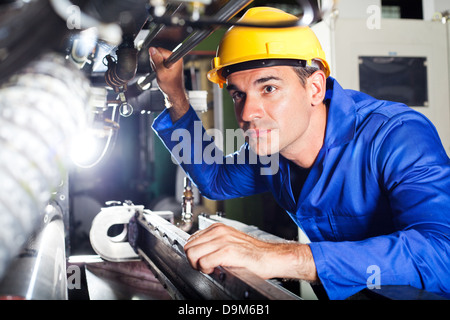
point(253, 109)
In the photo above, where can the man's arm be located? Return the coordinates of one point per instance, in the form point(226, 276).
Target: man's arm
point(171, 82)
point(221, 245)
point(181, 131)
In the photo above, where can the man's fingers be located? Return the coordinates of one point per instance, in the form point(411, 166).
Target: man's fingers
point(208, 234)
point(217, 245)
point(156, 58)
point(206, 256)
point(201, 244)
point(198, 258)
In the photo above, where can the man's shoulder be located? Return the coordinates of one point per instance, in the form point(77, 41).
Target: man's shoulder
point(358, 103)
point(368, 107)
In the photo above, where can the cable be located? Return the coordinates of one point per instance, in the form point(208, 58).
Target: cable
point(309, 16)
point(109, 144)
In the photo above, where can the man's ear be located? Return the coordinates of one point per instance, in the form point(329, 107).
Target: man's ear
point(317, 82)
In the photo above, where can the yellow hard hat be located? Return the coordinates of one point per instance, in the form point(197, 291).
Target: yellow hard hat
point(264, 47)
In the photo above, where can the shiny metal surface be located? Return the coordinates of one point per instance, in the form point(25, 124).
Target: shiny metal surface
point(39, 271)
point(205, 221)
point(123, 281)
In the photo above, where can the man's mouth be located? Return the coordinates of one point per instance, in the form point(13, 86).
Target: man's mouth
point(257, 133)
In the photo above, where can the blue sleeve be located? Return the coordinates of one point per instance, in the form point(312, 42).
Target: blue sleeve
point(217, 177)
point(414, 172)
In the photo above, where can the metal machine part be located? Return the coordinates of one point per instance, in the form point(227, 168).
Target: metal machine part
point(228, 11)
point(25, 30)
point(188, 201)
point(113, 248)
point(123, 70)
point(39, 271)
point(160, 244)
point(204, 221)
point(41, 110)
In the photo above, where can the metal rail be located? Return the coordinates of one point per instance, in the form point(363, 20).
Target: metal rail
point(160, 244)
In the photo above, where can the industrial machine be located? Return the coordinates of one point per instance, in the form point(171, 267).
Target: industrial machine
point(69, 72)
point(152, 236)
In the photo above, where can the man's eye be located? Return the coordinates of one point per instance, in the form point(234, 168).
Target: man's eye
point(238, 95)
point(269, 89)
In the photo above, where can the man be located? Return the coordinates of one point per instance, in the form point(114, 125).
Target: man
point(372, 180)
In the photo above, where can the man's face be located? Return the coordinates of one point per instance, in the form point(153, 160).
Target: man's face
point(272, 107)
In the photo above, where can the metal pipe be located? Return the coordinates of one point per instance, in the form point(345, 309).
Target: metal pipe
point(228, 11)
point(170, 9)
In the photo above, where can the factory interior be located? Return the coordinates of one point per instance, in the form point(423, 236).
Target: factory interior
point(82, 173)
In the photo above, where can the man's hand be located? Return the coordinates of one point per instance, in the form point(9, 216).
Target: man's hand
point(221, 245)
point(170, 81)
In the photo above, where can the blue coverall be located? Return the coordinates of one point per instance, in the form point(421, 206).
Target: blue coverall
point(377, 198)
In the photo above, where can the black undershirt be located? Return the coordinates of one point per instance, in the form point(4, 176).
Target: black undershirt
point(298, 176)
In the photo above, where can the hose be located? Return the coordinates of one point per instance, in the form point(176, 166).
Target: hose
point(42, 108)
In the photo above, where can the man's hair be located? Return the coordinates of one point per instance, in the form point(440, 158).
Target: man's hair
point(304, 73)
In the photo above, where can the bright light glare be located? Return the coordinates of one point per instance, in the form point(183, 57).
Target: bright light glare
point(85, 149)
